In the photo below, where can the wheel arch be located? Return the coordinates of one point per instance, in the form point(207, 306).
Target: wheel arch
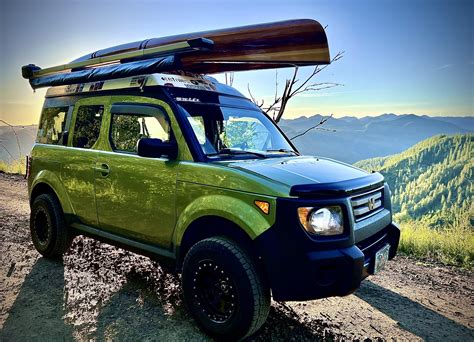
point(210, 226)
point(48, 182)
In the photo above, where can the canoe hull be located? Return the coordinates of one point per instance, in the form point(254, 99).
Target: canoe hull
point(263, 46)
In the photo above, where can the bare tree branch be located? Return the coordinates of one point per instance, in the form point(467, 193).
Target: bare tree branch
point(276, 84)
point(317, 126)
point(287, 94)
point(271, 107)
point(253, 98)
point(294, 87)
point(317, 69)
point(229, 78)
point(317, 86)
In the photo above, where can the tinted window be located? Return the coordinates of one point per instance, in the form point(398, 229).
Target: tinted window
point(221, 128)
point(87, 127)
point(127, 129)
point(52, 125)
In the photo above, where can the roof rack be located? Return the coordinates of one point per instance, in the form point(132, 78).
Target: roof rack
point(263, 46)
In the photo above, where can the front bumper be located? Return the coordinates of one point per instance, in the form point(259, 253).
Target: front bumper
point(300, 268)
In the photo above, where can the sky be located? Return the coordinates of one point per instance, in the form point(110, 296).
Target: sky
point(403, 57)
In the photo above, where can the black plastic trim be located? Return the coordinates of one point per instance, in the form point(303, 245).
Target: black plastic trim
point(154, 252)
point(366, 183)
point(136, 108)
point(188, 133)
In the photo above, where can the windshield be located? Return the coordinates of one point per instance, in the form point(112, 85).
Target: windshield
point(235, 131)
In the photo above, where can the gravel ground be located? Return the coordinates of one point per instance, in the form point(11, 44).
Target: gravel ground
point(99, 292)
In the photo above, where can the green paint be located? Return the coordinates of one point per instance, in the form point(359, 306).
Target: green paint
point(149, 199)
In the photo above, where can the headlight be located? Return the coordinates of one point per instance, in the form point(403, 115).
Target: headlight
point(322, 221)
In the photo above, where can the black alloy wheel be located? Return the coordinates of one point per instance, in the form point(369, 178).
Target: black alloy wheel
point(223, 291)
point(214, 291)
point(49, 232)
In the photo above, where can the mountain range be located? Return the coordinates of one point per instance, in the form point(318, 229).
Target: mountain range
point(348, 139)
point(351, 139)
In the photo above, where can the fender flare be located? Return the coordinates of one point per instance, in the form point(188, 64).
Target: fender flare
point(246, 216)
point(52, 180)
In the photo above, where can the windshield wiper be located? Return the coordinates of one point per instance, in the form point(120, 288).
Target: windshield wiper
point(237, 152)
point(283, 150)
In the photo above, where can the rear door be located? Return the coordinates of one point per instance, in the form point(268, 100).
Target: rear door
point(77, 171)
point(136, 195)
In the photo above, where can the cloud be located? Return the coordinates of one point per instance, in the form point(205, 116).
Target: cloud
point(446, 66)
point(332, 93)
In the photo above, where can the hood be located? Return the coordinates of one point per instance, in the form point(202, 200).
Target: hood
point(293, 171)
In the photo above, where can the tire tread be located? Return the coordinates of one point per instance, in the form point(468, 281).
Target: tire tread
point(261, 297)
point(62, 235)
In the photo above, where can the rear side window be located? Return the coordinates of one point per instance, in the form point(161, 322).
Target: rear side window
point(52, 125)
point(87, 127)
point(128, 128)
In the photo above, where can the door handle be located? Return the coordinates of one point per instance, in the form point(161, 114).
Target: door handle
point(102, 168)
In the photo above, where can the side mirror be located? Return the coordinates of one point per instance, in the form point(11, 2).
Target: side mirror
point(156, 148)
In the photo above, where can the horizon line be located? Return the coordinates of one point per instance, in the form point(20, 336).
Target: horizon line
point(307, 116)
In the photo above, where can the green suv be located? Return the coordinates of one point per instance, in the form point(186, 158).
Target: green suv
point(190, 172)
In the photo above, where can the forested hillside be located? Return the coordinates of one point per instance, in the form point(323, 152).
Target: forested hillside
point(432, 194)
point(432, 177)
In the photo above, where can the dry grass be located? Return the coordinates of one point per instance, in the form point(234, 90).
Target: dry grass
point(452, 245)
point(16, 166)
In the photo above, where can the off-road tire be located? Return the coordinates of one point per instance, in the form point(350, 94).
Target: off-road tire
point(251, 292)
point(49, 232)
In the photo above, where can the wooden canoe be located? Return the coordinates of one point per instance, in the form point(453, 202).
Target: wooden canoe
point(264, 46)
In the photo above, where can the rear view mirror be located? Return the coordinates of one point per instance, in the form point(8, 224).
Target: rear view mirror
point(156, 148)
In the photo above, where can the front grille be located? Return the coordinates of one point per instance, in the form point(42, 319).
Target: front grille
point(373, 243)
point(367, 204)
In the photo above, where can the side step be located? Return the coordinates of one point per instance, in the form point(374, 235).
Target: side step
point(126, 243)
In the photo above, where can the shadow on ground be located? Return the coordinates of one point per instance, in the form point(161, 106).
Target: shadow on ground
point(37, 313)
point(143, 308)
point(413, 316)
point(149, 307)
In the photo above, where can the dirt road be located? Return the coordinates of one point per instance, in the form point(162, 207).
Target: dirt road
point(99, 292)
